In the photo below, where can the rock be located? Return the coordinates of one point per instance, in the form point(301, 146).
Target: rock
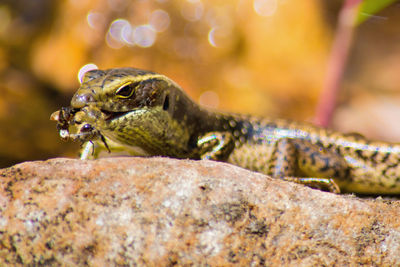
point(160, 211)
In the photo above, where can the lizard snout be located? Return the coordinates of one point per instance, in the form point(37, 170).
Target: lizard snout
point(81, 99)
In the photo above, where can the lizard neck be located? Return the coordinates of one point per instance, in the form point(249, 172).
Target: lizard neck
point(215, 121)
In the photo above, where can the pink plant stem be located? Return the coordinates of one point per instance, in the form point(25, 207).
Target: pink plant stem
point(337, 62)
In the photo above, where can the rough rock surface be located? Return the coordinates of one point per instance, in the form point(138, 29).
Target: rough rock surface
point(159, 211)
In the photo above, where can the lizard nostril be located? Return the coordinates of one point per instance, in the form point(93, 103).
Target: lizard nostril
point(81, 100)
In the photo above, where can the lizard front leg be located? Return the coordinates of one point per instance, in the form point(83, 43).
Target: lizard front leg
point(216, 146)
point(92, 149)
point(303, 162)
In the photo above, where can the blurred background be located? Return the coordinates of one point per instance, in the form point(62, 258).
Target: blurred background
point(264, 57)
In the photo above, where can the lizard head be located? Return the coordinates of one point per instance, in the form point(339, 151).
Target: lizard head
point(116, 92)
point(131, 107)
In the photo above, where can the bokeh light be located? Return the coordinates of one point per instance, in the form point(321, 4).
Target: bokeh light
point(121, 33)
point(218, 36)
point(209, 99)
point(116, 31)
point(159, 20)
point(95, 20)
point(265, 7)
point(144, 35)
point(192, 10)
point(84, 69)
point(127, 35)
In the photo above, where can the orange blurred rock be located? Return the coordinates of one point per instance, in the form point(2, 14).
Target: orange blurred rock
point(160, 211)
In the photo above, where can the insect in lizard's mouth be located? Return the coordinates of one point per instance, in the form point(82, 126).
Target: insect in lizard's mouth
point(112, 115)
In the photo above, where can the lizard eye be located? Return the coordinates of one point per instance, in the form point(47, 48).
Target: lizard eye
point(87, 128)
point(126, 90)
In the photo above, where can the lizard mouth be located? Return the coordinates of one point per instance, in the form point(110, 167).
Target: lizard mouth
point(112, 115)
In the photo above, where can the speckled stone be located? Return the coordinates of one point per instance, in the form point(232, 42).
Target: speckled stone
point(160, 211)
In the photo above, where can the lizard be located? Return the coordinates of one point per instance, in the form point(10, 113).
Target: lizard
point(147, 114)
